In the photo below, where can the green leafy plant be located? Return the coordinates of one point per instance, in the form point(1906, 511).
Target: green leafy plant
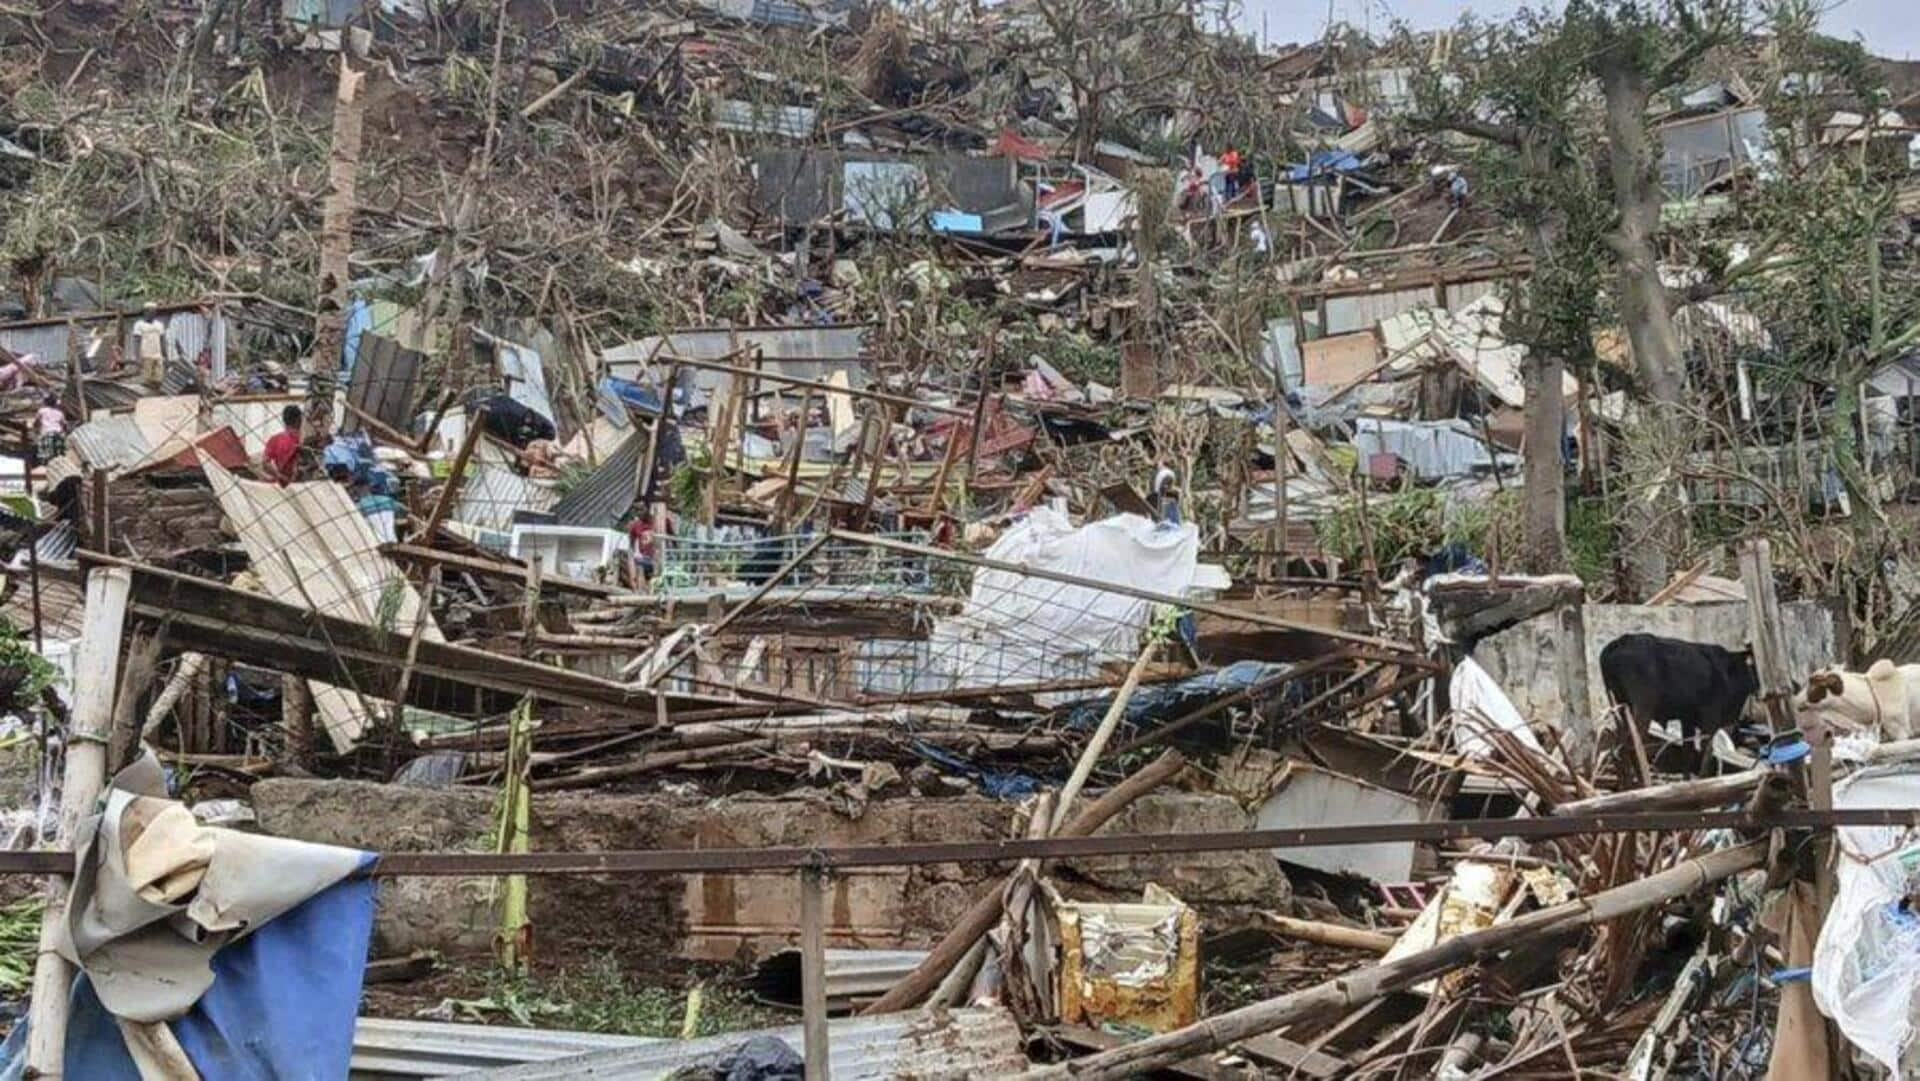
point(24, 674)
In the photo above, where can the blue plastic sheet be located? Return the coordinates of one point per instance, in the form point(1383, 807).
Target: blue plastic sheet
point(1164, 701)
point(1000, 784)
point(281, 1008)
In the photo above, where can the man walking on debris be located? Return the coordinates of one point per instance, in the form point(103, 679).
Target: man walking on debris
point(150, 338)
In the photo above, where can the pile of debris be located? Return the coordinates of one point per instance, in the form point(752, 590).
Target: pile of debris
point(785, 493)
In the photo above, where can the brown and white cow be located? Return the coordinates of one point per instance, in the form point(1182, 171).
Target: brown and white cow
point(1883, 700)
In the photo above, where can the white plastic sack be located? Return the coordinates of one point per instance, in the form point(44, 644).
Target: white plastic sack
point(1866, 965)
point(1018, 629)
point(1478, 704)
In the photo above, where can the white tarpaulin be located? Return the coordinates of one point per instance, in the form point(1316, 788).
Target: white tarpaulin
point(313, 548)
point(1866, 966)
point(1480, 705)
point(1019, 629)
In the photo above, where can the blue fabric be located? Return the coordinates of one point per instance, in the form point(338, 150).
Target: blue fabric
point(1165, 701)
point(999, 784)
point(282, 1004)
point(628, 392)
point(1323, 163)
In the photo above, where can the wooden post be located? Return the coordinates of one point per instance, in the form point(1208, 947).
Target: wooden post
point(443, 505)
point(785, 508)
point(1764, 633)
point(813, 971)
point(1278, 539)
point(86, 774)
point(336, 245)
point(649, 462)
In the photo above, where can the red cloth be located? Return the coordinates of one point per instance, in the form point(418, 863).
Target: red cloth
point(1230, 161)
point(281, 451)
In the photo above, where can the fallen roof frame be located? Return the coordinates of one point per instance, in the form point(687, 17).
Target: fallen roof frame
point(199, 615)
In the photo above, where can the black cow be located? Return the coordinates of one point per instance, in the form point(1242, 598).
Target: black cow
point(1704, 687)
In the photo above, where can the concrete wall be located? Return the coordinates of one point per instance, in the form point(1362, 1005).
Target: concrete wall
point(1521, 658)
point(719, 917)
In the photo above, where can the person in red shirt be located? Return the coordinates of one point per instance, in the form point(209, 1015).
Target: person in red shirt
point(283, 450)
point(1230, 164)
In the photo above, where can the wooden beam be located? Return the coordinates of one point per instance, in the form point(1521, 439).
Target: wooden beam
point(824, 388)
point(504, 569)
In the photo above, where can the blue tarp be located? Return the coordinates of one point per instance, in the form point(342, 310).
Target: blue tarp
point(956, 221)
point(627, 392)
point(281, 1008)
point(1322, 163)
point(996, 783)
point(1165, 701)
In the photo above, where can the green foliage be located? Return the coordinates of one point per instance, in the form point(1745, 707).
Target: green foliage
point(1591, 540)
point(19, 943)
point(17, 655)
point(686, 488)
point(1415, 522)
point(599, 997)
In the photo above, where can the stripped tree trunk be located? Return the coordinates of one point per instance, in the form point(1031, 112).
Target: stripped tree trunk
point(1654, 516)
point(336, 247)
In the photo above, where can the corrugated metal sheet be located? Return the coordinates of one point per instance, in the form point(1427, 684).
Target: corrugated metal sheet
point(1364, 312)
point(312, 547)
point(254, 420)
point(853, 976)
point(49, 340)
point(608, 491)
point(383, 383)
point(799, 352)
point(957, 1044)
point(390, 1048)
point(493, 490)
point(109, 443)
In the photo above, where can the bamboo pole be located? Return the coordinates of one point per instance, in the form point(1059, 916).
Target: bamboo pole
point(985, 911)
point(1327, 934)
point(444, 505)
point(86, 774)
point(1679, 795)
point(1358, 988)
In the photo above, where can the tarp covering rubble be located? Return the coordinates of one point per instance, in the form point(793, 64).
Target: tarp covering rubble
point(206, 951)
point(1017, 629)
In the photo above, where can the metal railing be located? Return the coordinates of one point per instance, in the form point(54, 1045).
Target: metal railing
point(696, 564)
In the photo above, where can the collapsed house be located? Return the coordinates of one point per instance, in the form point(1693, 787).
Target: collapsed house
point(890, 610)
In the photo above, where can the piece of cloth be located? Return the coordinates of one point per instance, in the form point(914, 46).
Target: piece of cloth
point(156, 894)
point(50, 420)
point(1479, 705)
point(1866, 962)
point(281, 1007)
point(282, 451)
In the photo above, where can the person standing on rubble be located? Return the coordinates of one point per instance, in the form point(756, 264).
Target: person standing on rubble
point(150, 341)
point(282, 456)
point(50, 424)
point(1230, 164)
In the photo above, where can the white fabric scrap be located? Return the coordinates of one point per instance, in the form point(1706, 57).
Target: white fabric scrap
point(146, 916)
point(1480, 705)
